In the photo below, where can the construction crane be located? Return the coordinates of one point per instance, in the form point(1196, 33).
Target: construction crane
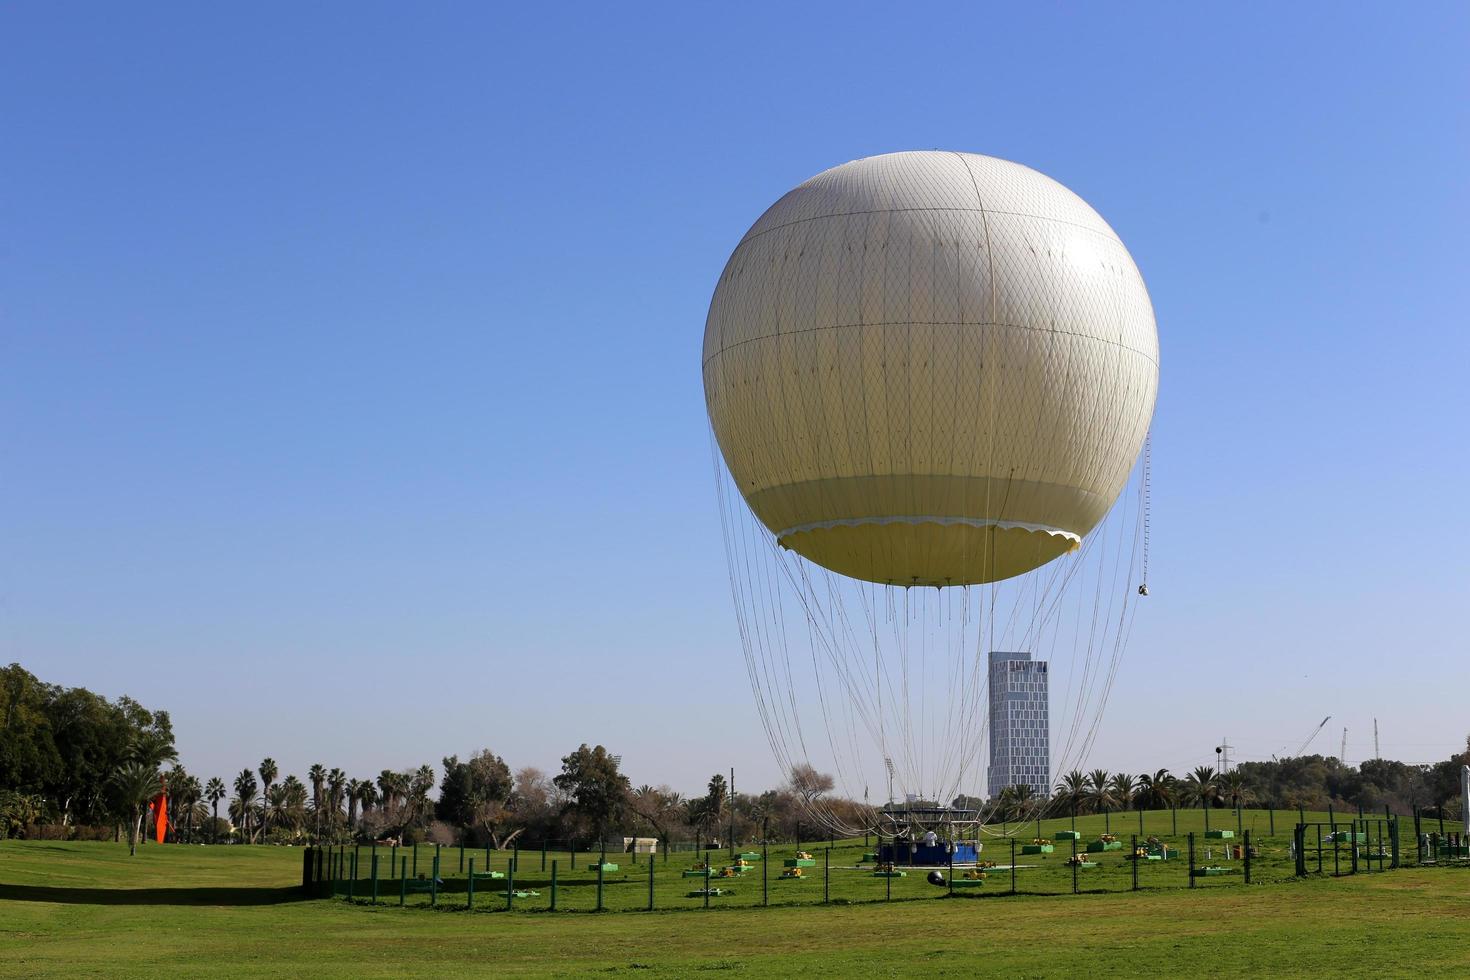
point(1308, 740)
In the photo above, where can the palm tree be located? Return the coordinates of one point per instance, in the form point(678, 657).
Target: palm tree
point(419, 789)
point(354, 793)
point(245, 788)
point(214, 791)
point(152, 749)
point(332, 800)
point(190, 800)
point(1124, 786)
point(136, 784)
point(1022, 795)
point(318, 776)
point(287, 804)
point(386, 783)
point(368, 794)
point(1099, 790)
point(278, 805)
point(268, 773)
point(1155, 792)
point(1200, 786)
point(1073, 789)
point(175, 786)
point(1233, 785)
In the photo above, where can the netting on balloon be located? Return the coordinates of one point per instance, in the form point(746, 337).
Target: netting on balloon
point(887, 688)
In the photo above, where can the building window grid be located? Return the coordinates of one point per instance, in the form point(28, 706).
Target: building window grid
point(1019, 725)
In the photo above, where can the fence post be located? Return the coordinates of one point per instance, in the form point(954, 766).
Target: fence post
point(510, 886)
point(1273, 819)
point(1135, 862)
point(599, 887)
point(434, 880)
point(1073, 862)
point(706, 878)
point(515, 856)
point(1013, 865)
point(1299, 840)
point(469, 901)
point(827, 875)
point(415, 859)
point(1247, 857)
point(351, 874)
point(765, 863)
point(651, 863)
point(1191, 859)
point(951, 867)
point(553, 886)
point(1175, 811)
point(375, 879)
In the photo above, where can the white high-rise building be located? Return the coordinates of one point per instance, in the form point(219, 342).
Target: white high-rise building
point(1020, 724)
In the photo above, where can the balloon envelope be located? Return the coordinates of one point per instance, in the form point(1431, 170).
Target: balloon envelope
point(930, 368)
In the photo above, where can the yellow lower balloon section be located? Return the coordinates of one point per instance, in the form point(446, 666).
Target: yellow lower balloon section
point(927, 553)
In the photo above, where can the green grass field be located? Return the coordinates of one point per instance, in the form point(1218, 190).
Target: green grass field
point(88, 909)
point(850, 880)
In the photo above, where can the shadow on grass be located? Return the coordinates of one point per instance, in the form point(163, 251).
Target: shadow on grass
point(151, 896)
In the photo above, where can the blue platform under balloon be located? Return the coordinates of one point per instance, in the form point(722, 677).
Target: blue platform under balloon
point(928, 855)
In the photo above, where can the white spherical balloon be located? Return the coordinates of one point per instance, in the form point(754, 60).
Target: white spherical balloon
point(930, 368)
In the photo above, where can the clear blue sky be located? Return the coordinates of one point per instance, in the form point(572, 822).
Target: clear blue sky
point(349, 355)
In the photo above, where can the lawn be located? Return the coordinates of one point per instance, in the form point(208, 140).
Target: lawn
point(88, 909)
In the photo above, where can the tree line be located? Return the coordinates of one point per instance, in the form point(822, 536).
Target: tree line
point(75, 765)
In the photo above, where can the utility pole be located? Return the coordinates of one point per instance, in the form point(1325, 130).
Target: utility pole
point(1342, 752)
point(1222, 754)
point(1378, 757)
